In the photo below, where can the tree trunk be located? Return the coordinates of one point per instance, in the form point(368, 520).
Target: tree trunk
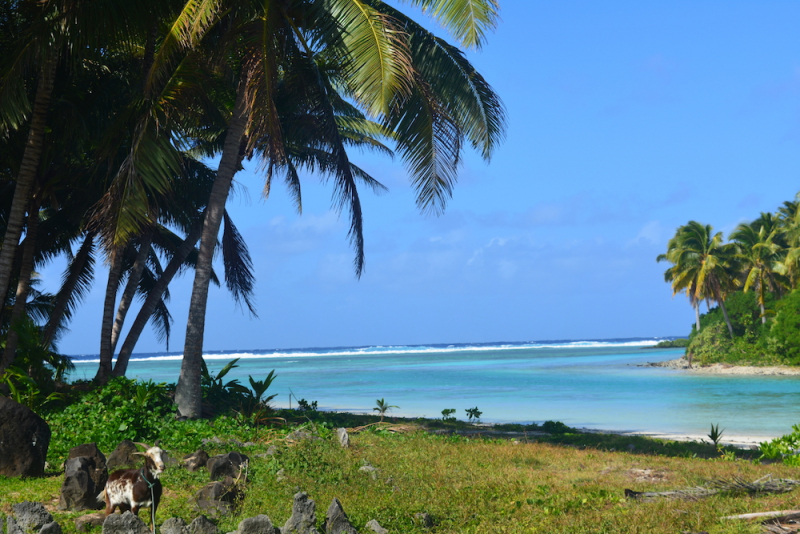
point(763, 314)
point(725, 314)
point(697, 316)
point(121, 367)
point(130, 288)
point(106, 352)
point(27, 171)
point(66, 291)
point(188, 394)
point(23, 286)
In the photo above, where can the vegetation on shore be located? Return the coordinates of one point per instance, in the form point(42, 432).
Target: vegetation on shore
point(469, 478)
point(753, 283)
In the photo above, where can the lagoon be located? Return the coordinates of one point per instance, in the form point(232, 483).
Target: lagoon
point(587, 384)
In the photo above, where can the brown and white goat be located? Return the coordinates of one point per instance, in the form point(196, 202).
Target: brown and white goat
point(131, 489)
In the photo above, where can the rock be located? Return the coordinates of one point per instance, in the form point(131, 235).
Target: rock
point(336, 521)
point(344, 437)
point(126, 523)
point(280, 476)
point(51, 528)
point(173, 525)
point(24, 439)
point(99, 470)
point(196, 460)
point(79, 491)
point(28, 518)
point(260, 524)
point(123, 456)
point(231, 465)
point(272, 451)
point(201, 525)
point(375, 527)
point(373, 471)
point(214, 441)
point(88, 521)
point(217, 498)
point(249, 444)
point(304, 516)
point(424, 519)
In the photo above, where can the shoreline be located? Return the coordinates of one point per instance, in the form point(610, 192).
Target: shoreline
point(682, 364)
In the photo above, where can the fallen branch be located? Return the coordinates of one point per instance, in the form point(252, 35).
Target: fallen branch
point(776, 514)
point(765, 484)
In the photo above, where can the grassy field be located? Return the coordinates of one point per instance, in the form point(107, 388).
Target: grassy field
point(563, 483)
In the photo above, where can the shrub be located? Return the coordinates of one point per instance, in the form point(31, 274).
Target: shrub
point(784, 337)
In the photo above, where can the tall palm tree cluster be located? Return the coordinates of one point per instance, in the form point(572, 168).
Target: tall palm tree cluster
point(762, 256)
point(109, 110)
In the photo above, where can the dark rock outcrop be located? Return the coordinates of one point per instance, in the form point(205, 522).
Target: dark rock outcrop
point(375, 527)
point(260, 524)
point(126, 523)
point(173, 525)
point(79, 491)
point(336, 521)
point(304, 516)
point(217, 498)
point(226, 465)
point(196, 460)
point(28, 518)
point(24, 439)
point(123, 456)
point(201, 525)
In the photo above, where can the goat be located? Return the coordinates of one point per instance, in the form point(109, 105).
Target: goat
point(131, 489)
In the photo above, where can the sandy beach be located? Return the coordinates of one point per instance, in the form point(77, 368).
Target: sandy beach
point(725, 369)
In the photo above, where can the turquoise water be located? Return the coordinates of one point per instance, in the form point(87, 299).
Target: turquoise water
point(585, 384)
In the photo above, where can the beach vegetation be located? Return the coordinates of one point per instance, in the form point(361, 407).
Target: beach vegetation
point(474, 414)
point(715, 435)
point(304, 406)
point(448, 414)
point(469, 479)
point(752, 281)
point(678, 343)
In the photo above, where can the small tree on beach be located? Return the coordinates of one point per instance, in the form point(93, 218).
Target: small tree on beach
point(382, 407)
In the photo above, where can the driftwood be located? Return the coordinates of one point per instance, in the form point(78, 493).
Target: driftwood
point(765, 484)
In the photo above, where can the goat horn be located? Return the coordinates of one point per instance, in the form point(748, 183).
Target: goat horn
point(138, 454)
point(145, 445)
point(156, 443)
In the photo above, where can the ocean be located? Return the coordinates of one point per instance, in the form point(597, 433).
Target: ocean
point(594, 384)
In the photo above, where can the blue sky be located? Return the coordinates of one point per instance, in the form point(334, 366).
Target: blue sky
point(626, 120)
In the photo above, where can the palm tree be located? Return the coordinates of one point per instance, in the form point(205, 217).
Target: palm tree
point(381, 406)
point(371, 55)
point(761, 251)
point(702, 265)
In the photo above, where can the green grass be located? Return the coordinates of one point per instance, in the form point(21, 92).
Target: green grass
point(567, 482)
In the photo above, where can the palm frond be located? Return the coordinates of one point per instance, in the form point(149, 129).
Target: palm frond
point(239, 277)
point(467, 20)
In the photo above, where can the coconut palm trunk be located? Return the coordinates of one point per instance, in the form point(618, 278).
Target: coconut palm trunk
point(725, 315)
point(153, 297)
point(27, 171)
point(106, 351)
point(23, 286)
point(134, 277)
point(697, 316)
point(188, 394)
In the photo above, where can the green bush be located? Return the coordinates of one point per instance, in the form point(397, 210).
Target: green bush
point(743, 312)
point(784, 336)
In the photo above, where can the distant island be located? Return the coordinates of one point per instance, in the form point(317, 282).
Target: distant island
point(750, 286)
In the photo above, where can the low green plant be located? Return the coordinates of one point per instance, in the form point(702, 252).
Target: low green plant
point(474, 414)
point(556, 427)
point(715, 435)
point(784, 448)
point(24, 390)
point(447, 414)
